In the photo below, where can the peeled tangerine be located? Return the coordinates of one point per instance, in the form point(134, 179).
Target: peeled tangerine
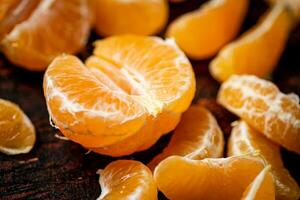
point(293, 5)
point(130, 92)
point(265, 108)
point(127, 180)
point(245, 139)
point(36, 31)
point(258, 50)
point(211, 178)
point(17, 134)
point(145, 17)
point(202, 33)
point(197, 136)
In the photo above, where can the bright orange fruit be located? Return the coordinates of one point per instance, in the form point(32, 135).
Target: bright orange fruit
point(293, 5)
point(245, 139)
point(211, 178)
point(127, 179)
point(7, 6)
point(262, 188)
point(197, 136)
point(145, 17)
point(258, 50)
point(132, 84)
point(264, 107)
point(46, 32)
point(201, 33)
point(17, 134)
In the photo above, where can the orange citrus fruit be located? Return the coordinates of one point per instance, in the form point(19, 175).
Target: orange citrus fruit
point(145, 17)
point(130, 85)
point(211, 178)
point(17, 134)
point(264, 107)
point(201, 33)
point(127, 179)
point(197, 136)
point(49, 31)
point(245, 139)
point(7, 6)
point(262, 187)
point(258, 50)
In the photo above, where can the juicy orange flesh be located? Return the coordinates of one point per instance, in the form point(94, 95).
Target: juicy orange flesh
point(7, 6)
point(125, 179)
point(245, 139)
point(121, 93)
point(130, 17)
point(17, 134)
point(256, 51)
point(197, 136)
point(261, 188)
point(31, 45)
point(264, 107)
point(210, 178)
point(19, 13)
point(195, 33)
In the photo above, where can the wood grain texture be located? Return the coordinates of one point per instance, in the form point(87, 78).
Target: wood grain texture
point(58, 169)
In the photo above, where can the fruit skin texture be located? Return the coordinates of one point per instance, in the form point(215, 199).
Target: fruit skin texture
point(114, 17)
point(245, 139)
point(17, 134)
point(202, 33)
point(210, 178)
point(258, 50)
point(197, 136)
point(264, 107)
point(125, 98)
point(49, 31)
point(127, 179)
point(261, 188)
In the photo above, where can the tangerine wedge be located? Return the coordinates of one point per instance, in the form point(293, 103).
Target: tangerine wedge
point(201, 33)
point(262, 187)
point(258, 50)
point(17, 134)
point(132, 84)
point(49, 31)
point(211, 178)
point(293, 5)
point(114, 17)
point(264, 107)
point(127, 179)
point(7, 6)
point(245, 139)
point(197, 136)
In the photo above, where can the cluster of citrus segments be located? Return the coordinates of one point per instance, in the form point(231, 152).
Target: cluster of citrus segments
point(145, 17)
point(245, 139)
point(34, 32)
point(17, 134)
point(201, 33)
point(130, 92)
point(256, 51)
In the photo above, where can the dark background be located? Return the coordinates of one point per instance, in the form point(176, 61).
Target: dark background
point(57, 169)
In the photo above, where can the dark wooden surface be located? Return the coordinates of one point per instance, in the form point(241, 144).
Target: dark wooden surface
point(57, 169)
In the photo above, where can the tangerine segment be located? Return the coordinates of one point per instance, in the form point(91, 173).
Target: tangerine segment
point(7, 6)
point(145, 17)
point(150, 133)
point(211, 178)
point(18, 12)
point(127, 179)
point(197, 136)
point(245, 139)
point(120, 92)
point(262, 187)
point(264, 107)
point(293, 5)
point(17, 133)
point(49, 31)
point(203, 32)
point(258, 50)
